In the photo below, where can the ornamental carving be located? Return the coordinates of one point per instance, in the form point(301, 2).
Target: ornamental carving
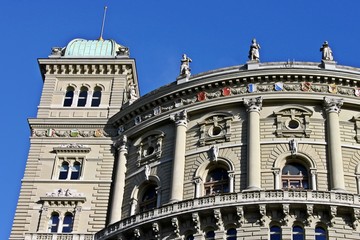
point(332, 104)
point(253, 104)
point(64, 193)
point(215, 129)
point(150, 148)
point(293, 121)
point(72, 133)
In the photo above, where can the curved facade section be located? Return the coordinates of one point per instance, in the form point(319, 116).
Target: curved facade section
point(261, 151)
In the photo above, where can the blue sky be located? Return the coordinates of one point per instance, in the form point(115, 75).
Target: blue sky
point(213, 33)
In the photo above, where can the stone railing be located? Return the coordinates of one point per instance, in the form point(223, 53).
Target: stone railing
point(58, 236)
point(232, 200)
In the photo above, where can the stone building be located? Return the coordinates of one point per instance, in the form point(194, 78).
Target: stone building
point(255, 151)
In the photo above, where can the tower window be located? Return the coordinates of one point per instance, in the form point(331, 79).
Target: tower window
point(64, 170)
point(69, 96)
point(54, 222)
point(75, 171)
point(295, 176)
point(82, 97)
point(96, 97)
point(70, 169)
point(217, 181)
point(68, 223)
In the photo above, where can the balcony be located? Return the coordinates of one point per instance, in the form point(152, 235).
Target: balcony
point(232, 200)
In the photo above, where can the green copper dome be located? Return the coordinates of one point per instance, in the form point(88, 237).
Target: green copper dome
point(92, 48)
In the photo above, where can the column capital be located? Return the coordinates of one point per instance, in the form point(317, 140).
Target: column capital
point(333, 104)
point(253, 104)
point(121, 143)
point(180, 118)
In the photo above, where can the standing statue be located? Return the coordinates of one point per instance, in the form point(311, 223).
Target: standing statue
point(327, 54)
point(254, 54)
point(185, 66)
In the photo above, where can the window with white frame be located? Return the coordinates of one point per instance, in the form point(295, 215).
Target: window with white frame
point(69, 97)
point(217, 181)
point(298, 233)
point(275, 233)
point(231, 234)
point(320, 233)
point(96, 97)
point(294, 176)
point(61, 224)
point(82, 96)
point(70, 168)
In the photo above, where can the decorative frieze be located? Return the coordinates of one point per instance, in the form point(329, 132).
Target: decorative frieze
point(233, 90)
point(72, 133)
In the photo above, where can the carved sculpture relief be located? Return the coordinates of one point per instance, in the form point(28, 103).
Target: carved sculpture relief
point(293, 121)
point(215, 129)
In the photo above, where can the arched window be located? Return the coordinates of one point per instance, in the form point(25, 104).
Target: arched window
point(217, 181)
point(297, 233)
point(69, 96)
point(148, 199)
point(64, 170)
point(320, 233)
point(82, 97)
point(75, 171)
point(96, 97)
point(210, 235)
point(231, 234)
point(190, 237)
point(54, 222)
point(67, 223)
point(295, 176)
point(275, 233)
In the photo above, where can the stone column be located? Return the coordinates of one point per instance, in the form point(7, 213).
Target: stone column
point(277, 181)
point(332, 107)
point(198, 188)
point(313, 174)
point(253, 107)
point(119, 181)
point(231, 181)
point(177, 182)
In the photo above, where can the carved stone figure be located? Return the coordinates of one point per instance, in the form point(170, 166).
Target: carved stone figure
point(293, 144)
point(327, 54)
point(147, 171)
point(254, 53)
point(57, 51)
point(185, 66)
point(214, 152)
point(132, 93)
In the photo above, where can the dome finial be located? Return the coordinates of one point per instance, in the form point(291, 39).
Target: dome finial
point(102, 26)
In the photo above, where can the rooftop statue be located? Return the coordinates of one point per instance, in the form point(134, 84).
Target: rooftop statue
point(327, 54)
point(185, 66)
point(254, 54)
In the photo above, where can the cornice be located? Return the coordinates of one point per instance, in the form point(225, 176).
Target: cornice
point(272, 80)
